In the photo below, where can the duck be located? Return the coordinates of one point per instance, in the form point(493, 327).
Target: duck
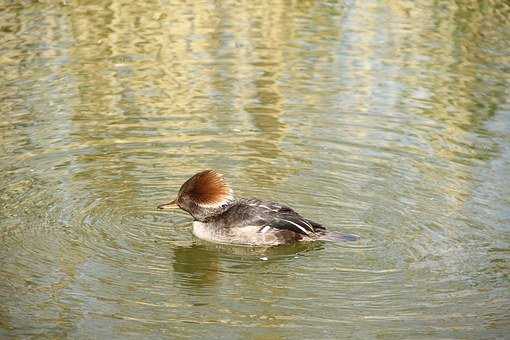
point(218, 216)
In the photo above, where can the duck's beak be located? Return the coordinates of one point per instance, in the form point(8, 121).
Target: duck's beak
point(170, 205)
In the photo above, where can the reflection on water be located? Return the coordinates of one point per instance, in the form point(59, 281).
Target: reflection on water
point(198, 265)
point(385, 119)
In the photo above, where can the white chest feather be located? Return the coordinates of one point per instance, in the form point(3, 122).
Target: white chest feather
point(246, 235)
point(205, 232)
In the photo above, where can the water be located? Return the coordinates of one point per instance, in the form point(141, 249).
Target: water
point(390, 120)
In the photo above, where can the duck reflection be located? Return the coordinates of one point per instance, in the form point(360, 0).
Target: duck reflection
point(196, 266)
point(201, 265)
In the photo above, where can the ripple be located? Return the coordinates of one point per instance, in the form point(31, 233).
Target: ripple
point(106, 111)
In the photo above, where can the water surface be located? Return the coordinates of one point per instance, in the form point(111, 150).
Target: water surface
point(386, 119)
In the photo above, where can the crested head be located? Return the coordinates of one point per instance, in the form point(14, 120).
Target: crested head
point(207, 189)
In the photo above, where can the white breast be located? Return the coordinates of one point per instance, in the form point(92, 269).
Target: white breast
point(250, 235)
point(204, 232)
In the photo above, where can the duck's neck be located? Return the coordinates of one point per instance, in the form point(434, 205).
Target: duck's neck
point(206, 214)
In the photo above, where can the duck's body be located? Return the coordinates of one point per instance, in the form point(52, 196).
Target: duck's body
point(256, 222)
point(218, 217)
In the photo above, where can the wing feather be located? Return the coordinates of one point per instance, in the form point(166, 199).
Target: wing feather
point(268, 215)
point(296, 224)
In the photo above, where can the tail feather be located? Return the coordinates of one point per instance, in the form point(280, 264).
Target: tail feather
point(334, 236)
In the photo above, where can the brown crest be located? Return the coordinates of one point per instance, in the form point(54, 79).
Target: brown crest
point(207, 189)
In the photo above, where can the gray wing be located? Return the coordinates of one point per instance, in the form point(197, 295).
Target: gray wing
point(297, 224)
point(278, 216)
point(254, 212)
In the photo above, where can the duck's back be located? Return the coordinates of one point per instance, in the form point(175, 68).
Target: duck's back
point(256, 222)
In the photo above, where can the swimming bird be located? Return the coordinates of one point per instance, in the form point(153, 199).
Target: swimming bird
point(220, 217)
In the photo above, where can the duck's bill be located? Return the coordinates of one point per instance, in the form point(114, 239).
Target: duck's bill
point(170, 205)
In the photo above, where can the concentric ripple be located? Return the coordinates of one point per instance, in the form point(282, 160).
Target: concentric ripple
point(382, 119)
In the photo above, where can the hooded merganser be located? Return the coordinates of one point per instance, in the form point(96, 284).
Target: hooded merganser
point(219, 217)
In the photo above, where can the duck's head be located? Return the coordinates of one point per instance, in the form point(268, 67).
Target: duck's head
point(203, 195)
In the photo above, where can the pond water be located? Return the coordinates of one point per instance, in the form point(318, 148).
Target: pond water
point(386, 119)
